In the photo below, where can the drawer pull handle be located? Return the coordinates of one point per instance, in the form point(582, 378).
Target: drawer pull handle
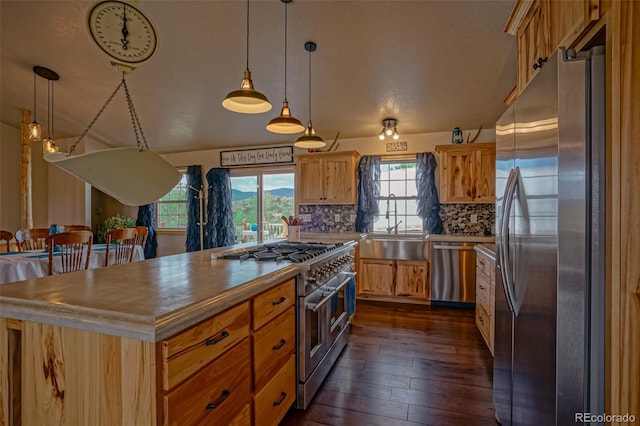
point(482, 262)
point(277, 302)
point(283, 395)
point(481, 287)
point(481, 319)
point(278, 346)
point(215, 404)
point(218, 339)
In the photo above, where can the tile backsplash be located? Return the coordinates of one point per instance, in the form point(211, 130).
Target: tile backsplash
point(458, 218)
point(329, 218)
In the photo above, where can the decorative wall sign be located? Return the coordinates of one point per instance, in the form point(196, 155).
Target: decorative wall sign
point(257, 157)
point(396, 146)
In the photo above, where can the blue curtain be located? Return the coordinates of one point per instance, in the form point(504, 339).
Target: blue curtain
point(147, 217)
point(194, 183)
point(428, 201)
point(368, 192)
point(220, 230)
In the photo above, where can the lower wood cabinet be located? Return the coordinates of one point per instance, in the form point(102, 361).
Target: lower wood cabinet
point(485, 297)
point(396, 278)
point(236, 368)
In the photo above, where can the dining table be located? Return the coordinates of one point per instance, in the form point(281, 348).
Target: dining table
point(27, 264)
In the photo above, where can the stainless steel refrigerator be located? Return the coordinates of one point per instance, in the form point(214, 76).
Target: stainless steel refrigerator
point(550, 205)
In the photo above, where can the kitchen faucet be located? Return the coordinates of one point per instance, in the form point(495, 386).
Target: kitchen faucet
point(395, 215)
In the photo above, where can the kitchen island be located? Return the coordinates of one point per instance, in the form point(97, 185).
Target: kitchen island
point(148, 343)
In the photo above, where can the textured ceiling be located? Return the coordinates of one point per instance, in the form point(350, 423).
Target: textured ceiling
point(433, 65)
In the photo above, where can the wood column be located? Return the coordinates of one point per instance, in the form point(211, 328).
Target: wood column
point(26, 210)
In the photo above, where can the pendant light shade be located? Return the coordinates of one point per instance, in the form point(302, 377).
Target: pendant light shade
point(310, 140)
point(35, 129)
point(247, 100)
point(285, 123)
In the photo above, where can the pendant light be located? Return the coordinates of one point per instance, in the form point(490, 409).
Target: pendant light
point(247, 100)
point(310, 139)
point(389, 128)
point(35, 129)
point(48, 143)
point(285, 123)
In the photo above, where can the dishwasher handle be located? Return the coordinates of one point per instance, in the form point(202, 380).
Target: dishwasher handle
point(439, 247)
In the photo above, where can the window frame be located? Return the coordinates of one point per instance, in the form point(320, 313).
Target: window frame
point(384, 199)
point(159, 202)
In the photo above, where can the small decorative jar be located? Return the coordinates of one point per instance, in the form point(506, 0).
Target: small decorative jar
point(457, 136)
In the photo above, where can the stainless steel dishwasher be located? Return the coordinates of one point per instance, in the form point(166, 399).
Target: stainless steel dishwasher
point(453, 272)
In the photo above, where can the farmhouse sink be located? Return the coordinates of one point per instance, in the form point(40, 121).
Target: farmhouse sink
point(397, 247)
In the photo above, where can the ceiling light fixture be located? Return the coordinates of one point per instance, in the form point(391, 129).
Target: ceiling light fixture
point(35, 130)
point(310, 140)
point(389, 128)
point(285, 123)
point(246, 100)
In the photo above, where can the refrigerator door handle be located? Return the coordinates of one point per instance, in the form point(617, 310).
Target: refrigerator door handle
point(509, 194)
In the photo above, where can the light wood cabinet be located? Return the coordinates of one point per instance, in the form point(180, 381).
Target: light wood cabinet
point(541, 26)
point(326, 178)
point(485, 297)
point(467, 173)
point(402, 278)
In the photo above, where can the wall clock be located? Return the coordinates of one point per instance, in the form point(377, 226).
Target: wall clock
point(122, 31)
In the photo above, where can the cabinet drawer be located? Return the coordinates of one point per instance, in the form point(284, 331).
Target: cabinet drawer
point(243, 418)
point(272, 347)
point(483, 289)
point(486, 265)
point(273, 401)
point(214, 395)
point(186, 353)
point(271, 303)
point(482, 321)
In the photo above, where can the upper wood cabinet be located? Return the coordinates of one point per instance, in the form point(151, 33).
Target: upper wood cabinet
point(326, 178)
point(541, 26)
point(467, 173)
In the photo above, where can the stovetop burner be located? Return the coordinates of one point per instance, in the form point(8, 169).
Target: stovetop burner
point(293, 252)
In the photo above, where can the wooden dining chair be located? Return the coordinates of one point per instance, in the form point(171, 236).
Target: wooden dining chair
point(121, 245)
point(69, 228)
point(31, 239)
point(74, 249)
point(7, 236)
point(141, 239)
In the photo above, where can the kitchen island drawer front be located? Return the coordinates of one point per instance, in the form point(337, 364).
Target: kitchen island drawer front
point(217, 394)
point(273, 401)
point(187, 352)
point(272, 303)
point(272, 347)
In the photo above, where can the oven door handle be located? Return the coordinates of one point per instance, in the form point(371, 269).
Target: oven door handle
point(315, 307)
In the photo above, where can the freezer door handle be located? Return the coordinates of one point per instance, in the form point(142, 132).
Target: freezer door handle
point(509, 194)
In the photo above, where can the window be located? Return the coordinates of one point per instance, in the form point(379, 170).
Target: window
point(259, 200)
point(171, 209)
point(398, 202)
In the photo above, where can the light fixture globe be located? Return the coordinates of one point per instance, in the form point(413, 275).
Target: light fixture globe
point(310, 140)
point(285, 123)
point(246, 100)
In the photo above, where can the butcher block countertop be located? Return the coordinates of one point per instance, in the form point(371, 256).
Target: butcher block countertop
point(148, 300)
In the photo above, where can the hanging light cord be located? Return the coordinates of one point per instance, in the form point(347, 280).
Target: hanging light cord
point(34, 98)
point(48, 108)
point(132, 112)
point(247, 35)
point(53, 130)
point(310, 86)
point(285, 52)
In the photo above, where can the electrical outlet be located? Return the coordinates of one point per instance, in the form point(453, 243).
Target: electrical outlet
point(474, 218)
point(337, 218)
point(352, 218)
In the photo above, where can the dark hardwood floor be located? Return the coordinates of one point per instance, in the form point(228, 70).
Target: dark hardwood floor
point(406, 365)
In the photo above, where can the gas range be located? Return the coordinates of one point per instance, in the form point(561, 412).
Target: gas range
point(317, 262)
